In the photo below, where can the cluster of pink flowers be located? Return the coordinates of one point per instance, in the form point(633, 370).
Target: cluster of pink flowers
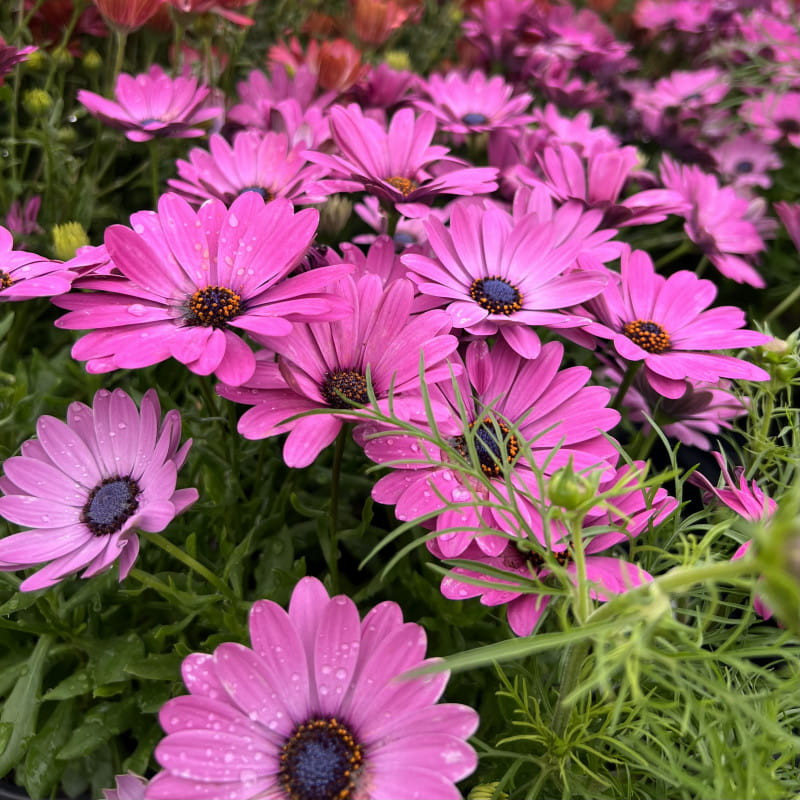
point(498, 229)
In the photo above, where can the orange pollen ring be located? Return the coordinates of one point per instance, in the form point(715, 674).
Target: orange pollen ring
point(5, 280)
point(212, 306)
point(403, 185)
point(649, 335)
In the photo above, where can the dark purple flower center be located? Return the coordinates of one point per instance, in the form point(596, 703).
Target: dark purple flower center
point(260, 190)
point(789, 125)
point(343, 388)
point(474, 118)
point(744, 167)
point(110, 504)
point(401, 237)
point(320, 761)
point(213, 306)
point(5, 280)
point(490, 448)
point(150, 121)
point(648, 335)
point(496, 295)
point(403, 185)
point(514, 558)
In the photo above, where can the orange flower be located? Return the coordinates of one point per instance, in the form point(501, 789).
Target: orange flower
point(127, 15)
point(374, 20)
point(337, 63)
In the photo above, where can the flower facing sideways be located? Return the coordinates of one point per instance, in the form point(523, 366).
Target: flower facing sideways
point(314, 710)
point(84, 486)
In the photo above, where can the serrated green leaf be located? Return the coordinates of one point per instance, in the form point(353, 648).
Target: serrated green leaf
point(41, 769)
point(165, 667)
point(22, 706)
point(76, 684)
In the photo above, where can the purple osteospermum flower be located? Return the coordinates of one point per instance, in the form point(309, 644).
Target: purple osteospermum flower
point(24, 275)
point(500, 274)
point(474, 103)
point(255, 162)
point(666, 324)
point(745, 160)
point(86, 485)
point(10, 56)
point(152, 104)
point(129, 787)
point(21, 219)
point(321, 361)
point(789, 214)
point(774, 115)
point(192, 280)
point(716, 221)
point(314, 711)
point(552, 411)
point(399, 166)
point(630, 513)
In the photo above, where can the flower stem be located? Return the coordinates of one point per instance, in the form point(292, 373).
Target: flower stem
point(787, 302)
point(194, 565)
point(683, 247)
point(627, 380)
point(573, 661)
point(120, 40)
point(331, 547)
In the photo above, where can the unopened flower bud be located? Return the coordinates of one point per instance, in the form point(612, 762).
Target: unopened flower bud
point(780, 358)
point(37, 102)
point(569, 489)
point(487, 791)
point(92, 60)
point(62, 58)
point(398, 60)
point(334, 215)
point(36, 60)
point(67, 238)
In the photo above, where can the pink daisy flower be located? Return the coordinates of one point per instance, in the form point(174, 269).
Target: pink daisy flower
point(255, 162)
point(222, 7)
point(129, 787)
point(631, 512)
point(666, 324)
point(551, 411)
point(789, 214)
point(504, 274)
point(775, 115)
point(597, 180)
point(85, 485)
point(152, 104)
point(10, 56)
point(745, 160)
point(400, 166)
point(747, 500)
point(325, 364)
point(716, 221)
point(24, 275)
point(192, 280)
point(314, 709)
point(474, 103)
point(21, 219)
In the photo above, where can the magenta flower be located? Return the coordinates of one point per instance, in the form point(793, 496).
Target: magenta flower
point(255, 162)
point(747, 500)
point(789, 214)
point(774, 116)
point(21, 219)
point(745, 160)
point(86, 485)
point(129, 787)
point(399, 166)
point(631, 512)
point(152, 104)
point(666, 324)
point(597, 180)
point(192, 279)
point(500, 274)
point(325, 364)
point(314, 709)
point(532, 402)
point(10, 56)
point(473, 103)
point(24, 275)
point(716, 221)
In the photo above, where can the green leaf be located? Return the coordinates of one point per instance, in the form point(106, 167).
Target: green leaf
point(42, 771)
point(165, 667)
point(22, 706)
point(76, 684)
point(6, 728)
point(110, 658)
point(103, 721)
point(18, 602)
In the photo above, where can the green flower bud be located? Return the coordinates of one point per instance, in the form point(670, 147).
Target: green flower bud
point(569, 489)
point(487, 791)
point(780, 358)
point(335, 214)
point(398, 59)
point(67, 238)
point(62, 58)
point(37, 102)
point(92, 60)
point(36, 61)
